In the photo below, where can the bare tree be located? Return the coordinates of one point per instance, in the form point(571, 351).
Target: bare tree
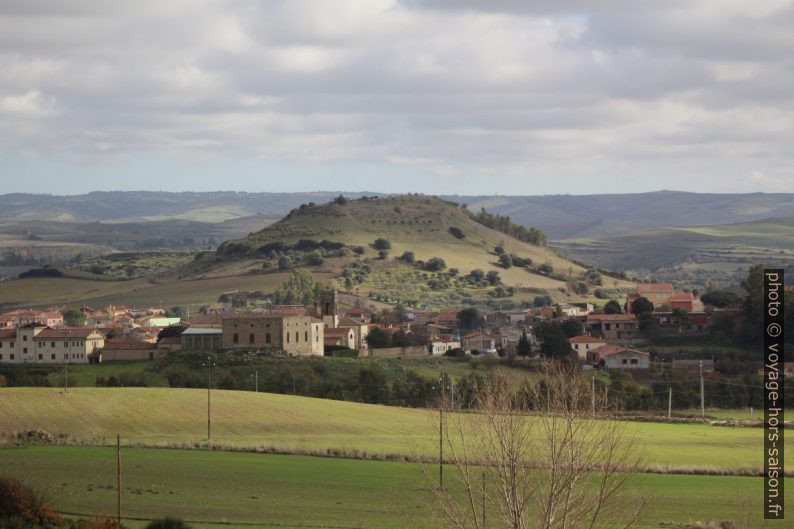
point(543, 458)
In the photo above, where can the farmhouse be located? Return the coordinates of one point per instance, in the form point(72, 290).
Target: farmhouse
point(37, 344)
point(616, 357)
point(582, 344)
point(613, 326)
point(294, 335)
point(479, 341)
point(441, 346)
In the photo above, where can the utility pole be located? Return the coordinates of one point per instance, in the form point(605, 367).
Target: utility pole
point(483, 499)
point(441, 436)
point(256, 381)
point(209, 402)
point(293, 384)
point(592, 396)
point(65, 376)
point(669, 402)
point(118, 480)
point(702, 396)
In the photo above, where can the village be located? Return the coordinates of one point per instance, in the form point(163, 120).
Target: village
point(607, 337)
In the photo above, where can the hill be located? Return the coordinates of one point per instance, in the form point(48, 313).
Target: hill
point(170, 417)
point(433, 248)
point(600, 216)
point(694, 255)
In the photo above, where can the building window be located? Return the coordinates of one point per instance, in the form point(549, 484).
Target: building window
point(306, 335)
point(52, 356)
point(41, 357)
point(267, 338)
point(12, 356)
point(236, 338)
point(52, 345)
point(634, 361)
point(66, 356)
point(24, 337)
point(251, 338)
point(41, 344)
point(24, 350)
point(287, 337)
point(624, 361)
point(11, 345)
point(296, 337)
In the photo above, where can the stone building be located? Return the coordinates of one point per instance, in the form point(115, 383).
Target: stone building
point(294, 335)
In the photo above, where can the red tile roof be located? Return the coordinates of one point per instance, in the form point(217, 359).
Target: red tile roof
point(611, 317)
point(654, 287)
point(585, 339)
point(65, 333)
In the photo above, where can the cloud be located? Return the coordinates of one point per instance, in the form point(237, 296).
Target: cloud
point(581, 95)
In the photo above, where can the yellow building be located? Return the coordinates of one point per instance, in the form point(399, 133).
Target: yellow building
point(294, 335)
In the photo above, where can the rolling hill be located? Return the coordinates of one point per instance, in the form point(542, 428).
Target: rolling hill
point(602, 216)
point(693, 255)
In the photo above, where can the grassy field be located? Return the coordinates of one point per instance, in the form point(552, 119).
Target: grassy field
point(236, 490)
point(158, 416)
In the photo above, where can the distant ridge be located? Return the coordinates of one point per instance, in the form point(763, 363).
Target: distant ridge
point(559, 216)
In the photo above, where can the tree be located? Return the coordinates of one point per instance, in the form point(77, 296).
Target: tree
point(572, 327)
point(613, 307)
point(377, 338)
point(554, 342)
point(641, 305)
point(176, 312)
point(505, 260)
point(456, 232)
point(381, 244)
point(493, 278)
point(284, 263)
point(476, 275)
point(542, 301)
point(546, 269)
point(435, 264)
point(580, 288)
point(557, 469)
point(523, 347)
point(74, 318)
point(470, 318)
point(341, 200)
point(720, 298)
point(408, 257)
point(299, 289)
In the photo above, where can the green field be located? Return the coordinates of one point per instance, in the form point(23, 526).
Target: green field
point(167, 417)
point(137, 292)
point(213, 489)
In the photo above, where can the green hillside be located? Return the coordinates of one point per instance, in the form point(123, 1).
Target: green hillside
point(428, 228)
point(169, 417)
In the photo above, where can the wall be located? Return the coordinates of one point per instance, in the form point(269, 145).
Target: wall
point(389, 352)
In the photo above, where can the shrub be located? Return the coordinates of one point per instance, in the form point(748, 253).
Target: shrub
point(20, 502)
point(546, 268)
point(381, 244)
point(435, 264)
point(505, 260)
point(456, 232)
point(600, 293)
point(408, 257)
point(168, 523)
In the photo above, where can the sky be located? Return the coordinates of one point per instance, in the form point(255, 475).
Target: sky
point(433, 96)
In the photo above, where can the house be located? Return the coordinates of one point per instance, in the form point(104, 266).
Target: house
point(692, 367)
point(19, 318)
point(294, 335)
point(617, 357)
point(479, 341)
point(37, 344)
point(360, 331)
point(508, 340)
point(201, 339)
point(126, 351)
point(659, 294)
point(584, 308)
point(613, 326)
point(441, 346)
point(340, 336)
point(582, 344)
point(570, 310)
point(447, 318)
